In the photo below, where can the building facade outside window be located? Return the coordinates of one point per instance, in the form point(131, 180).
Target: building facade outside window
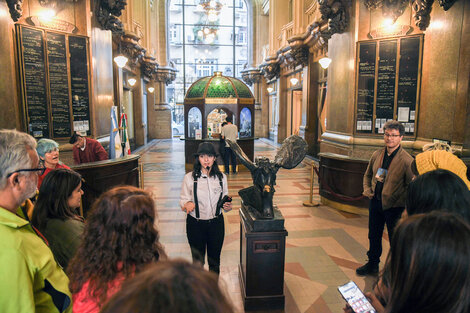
point(204, 37)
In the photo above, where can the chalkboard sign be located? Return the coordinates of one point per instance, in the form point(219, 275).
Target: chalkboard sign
point(408, 82)
point(55, 88)
point(386, 76)
point(79, 83)
point(34, 78)
point(365, 87)
point(58, 84)
point(388, 83)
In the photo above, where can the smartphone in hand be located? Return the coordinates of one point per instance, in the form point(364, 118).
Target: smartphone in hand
point(355, 298)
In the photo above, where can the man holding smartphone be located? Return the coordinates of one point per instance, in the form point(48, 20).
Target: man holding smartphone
point(385, 182)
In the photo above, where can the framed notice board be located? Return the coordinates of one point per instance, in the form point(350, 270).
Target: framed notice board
point(388, 79)
point(54, 74)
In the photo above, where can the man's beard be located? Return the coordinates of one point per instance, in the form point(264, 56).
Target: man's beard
point(30, 190)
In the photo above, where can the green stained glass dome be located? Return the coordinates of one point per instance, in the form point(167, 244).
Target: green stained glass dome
point(219, 86)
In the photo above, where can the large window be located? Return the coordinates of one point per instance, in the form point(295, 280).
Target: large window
point(204, 37)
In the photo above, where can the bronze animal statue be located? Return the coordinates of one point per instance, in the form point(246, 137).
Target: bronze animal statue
point(259, 197)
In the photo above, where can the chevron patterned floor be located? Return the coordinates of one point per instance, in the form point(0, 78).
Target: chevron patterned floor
point(324, 246)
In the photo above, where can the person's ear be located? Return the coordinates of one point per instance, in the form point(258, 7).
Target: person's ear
point(14, 179)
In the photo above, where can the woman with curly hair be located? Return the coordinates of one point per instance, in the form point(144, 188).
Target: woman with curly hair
point(119, 240)
point(55, 213)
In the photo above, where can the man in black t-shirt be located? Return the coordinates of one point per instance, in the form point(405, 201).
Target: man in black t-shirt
point(385, 182)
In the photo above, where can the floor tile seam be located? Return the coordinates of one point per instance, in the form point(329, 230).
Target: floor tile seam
point(358, 251)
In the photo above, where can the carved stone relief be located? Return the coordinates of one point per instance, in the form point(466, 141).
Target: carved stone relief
point(421, 8)
point(148, 66)
point(446, 4)
point(107, 14)
point(251, 76)
point(15, 8)
point(336, 14)
point(131, 48)
point(270, 69)
point(166, 74)
point(422, 13)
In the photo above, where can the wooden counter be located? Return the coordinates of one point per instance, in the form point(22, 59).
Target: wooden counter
point(102, 175)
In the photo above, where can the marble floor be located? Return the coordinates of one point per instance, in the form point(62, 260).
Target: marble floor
point(323, 246)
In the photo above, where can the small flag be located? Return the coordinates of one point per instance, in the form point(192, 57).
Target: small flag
point(125, 135)
point(115, 147)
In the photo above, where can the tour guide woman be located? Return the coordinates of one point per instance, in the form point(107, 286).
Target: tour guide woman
point(203, 189)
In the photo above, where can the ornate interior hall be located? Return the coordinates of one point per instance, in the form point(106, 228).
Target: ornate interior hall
point(324, 245)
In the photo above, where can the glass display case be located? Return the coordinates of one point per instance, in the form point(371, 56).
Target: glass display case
point(208, 102)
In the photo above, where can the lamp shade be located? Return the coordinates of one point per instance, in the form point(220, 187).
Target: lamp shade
point(324, 62)
point(294, 81)
point(132, 81)
point(120, 61)
point(151, 89)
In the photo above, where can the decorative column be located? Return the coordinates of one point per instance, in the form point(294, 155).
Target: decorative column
point(252, 77)
point(160, 116)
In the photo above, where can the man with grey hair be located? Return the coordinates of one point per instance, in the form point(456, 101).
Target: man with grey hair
point(30, 278)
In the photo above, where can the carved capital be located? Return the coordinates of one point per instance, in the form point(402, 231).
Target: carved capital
point(422, 13)
point(15, 8)
point(148, 66)
point(271, 68)
point(373, 4)
point(166, 74)
point(251, 75)
point(446, 4)
point(336, 14)
point(107, 13)
point(300, 55)
point(394, 9)
point(55, 3)
point(131, 48)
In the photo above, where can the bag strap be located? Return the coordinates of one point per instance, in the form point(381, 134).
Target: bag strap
point(196, 203)
point(217, 211)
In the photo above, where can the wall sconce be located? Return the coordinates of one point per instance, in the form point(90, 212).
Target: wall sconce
point(324, 62)
point(151, 89)
point(270, 89)
point(121, 61)
point(132, 81)
point(294, 81)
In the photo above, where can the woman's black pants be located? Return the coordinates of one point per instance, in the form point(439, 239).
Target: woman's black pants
point(206, 234)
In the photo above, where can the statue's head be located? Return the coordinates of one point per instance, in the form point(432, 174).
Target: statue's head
point(263, 162)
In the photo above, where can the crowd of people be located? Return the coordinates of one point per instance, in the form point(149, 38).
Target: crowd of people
point(55, 261)
point(425, 203)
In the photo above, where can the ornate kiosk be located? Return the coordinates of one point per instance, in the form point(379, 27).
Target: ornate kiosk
point(206, 105)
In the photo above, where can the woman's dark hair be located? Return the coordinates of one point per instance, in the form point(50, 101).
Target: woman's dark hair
point(215, 171)
point(119, 239)
point(170, 287)
point(428, 264)
point(55, 190)
point(438, 190)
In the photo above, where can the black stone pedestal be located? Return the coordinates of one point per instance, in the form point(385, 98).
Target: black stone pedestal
point(262, 255)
